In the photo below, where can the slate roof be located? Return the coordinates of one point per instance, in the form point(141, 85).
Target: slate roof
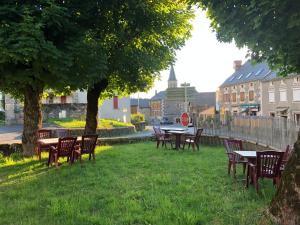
point(250, 72)
point(159, 96)
point(172, 74)
point(143, 102)
point(205, 98)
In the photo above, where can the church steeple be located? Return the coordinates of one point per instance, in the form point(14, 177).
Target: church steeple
point(172, 82)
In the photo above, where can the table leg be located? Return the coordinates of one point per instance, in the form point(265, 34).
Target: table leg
point(177, 144)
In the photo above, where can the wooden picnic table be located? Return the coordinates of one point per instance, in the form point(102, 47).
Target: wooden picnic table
point(177, 134)
point(54, 141)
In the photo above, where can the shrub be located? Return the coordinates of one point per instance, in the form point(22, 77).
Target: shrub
point(16, 156)
point(2, 159)
point(136, 118)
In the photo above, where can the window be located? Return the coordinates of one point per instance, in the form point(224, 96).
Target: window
point(240, 76)
point(116, 102)
point(249, 74)
point(258, 72)
point(251, 95)
point(272, 114)
point(63, 99)
point(271, 96)
point(297, 118)
point(226, 97)
point(242, 96)
point(233, 96)
point(296, 94)
point(282, 95)
point(251, 84)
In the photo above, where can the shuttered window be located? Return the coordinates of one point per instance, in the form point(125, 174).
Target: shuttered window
point(233, 97)
point(271, 96)
point(251, 95)
point(242, 96)
point(63, 99)
point(282, 95)
point(296, 94)
point(116, 102)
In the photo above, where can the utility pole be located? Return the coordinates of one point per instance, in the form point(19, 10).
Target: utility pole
point(185, 85)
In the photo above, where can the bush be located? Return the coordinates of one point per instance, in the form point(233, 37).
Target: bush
point(137, 118)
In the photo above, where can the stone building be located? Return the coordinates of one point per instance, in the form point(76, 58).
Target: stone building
point(157, 105)
point(281, 97)
point(178, 99)
point(141, 105)
point(241, 93)
point(72, 106)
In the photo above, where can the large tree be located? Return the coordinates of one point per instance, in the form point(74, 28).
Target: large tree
point(140, 40)
point(45, 44)
point(271, 31)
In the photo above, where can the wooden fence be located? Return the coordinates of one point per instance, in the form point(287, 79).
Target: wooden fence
point(277, 132)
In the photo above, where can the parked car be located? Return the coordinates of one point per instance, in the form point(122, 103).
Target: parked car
point(165, 121)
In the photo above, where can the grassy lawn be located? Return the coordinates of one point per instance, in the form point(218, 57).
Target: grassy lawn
point(75, 123)
point(131, 184)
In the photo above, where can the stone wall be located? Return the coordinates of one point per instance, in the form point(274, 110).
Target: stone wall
point(71, 110)
point(8, 149)
point(13, 111)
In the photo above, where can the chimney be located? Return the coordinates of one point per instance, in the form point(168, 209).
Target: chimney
point(155, 92)
point(237, 64)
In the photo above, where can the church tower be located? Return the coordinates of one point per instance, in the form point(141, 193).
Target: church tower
point(172, 82)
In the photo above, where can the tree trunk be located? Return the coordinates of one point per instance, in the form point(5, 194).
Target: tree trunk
point(285, 206)
point(93, 95)
point(32, 118)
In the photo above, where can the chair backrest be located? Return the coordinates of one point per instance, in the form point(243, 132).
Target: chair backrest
point(233, 145)
point(88, 143)
point(66, 146)
point(268, 163)
point(157, 131)
point(62, 133)
point(44, 133)
point(198, 134)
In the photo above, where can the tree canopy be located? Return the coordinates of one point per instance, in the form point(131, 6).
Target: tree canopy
point(270, 29)
point(45, 43)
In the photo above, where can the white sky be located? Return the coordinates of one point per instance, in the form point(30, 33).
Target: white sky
point(203, 62)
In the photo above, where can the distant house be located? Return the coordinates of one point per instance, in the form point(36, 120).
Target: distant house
point(176, 100)
point(156, 105)
point(241, 92)
point(281, 97)
point(116, 108)
point(141, 105)
point(72, 106)
point(256, 90)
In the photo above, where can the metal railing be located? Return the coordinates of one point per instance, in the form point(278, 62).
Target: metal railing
point(277, 132)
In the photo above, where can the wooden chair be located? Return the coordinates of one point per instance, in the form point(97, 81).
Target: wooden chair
point(65, 148)
point(162, 137)
point(193, 139)
point(87, 146)
point(267, 166)
point(233, 159)
point(43, 134)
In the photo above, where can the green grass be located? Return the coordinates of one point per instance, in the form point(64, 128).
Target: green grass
point(75, 123)
point(131, 184)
